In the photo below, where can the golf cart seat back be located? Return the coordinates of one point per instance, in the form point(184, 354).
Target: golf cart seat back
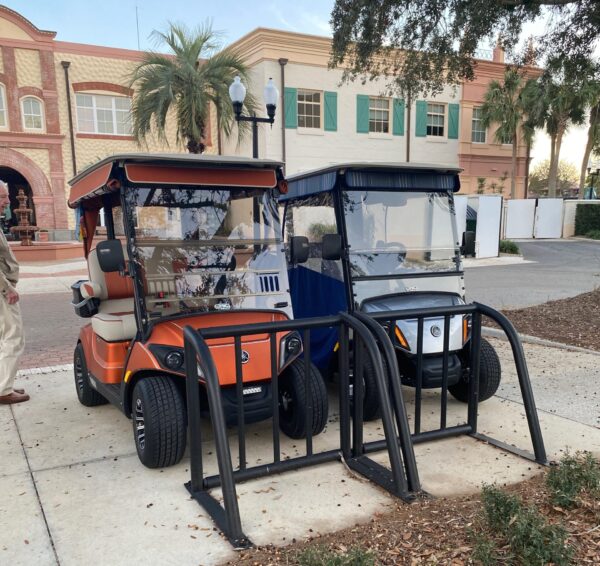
point(115, 321)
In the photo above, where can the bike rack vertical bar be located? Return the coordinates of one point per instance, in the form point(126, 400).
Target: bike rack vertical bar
point(419, 388)
point(443, 412)
point(275, 390)
point(193, 411)
point(239, 388)
point(357, 396)
point(474, 370)
point(344, 377)
point(308, 390)
point(524, 381)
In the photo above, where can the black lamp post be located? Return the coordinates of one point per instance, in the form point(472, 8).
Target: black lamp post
point(237, 93)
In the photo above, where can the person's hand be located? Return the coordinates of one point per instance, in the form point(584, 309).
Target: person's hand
point(12, 297)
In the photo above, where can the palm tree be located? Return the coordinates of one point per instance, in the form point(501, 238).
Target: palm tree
point(505, 105)
point(593, 139)
point(184, 84)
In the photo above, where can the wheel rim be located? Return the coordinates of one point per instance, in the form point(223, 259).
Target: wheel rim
point(287, 403)
point(140, 426)
point(79, 373)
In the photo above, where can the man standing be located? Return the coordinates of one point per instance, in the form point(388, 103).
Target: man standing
point(11, 324)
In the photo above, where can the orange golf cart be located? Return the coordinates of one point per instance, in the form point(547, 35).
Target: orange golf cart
point(189, 240)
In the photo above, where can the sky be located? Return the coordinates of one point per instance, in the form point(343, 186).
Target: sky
point(113, 23)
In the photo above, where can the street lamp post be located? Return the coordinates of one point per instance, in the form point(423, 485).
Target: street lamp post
point(237, 93)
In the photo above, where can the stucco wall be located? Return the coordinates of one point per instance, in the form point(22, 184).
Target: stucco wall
point(29, 72)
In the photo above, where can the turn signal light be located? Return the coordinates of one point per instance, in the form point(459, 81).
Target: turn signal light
point(401, 339)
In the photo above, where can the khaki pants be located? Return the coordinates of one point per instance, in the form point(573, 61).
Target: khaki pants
point(12, 343)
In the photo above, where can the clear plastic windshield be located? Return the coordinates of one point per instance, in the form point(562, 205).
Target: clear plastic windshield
point(400, 233)
point(204, 249)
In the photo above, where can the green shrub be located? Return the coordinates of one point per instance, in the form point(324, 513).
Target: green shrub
point(573, 476)
point(321, 556)
point(587, 218)
point(531, 539)
point(508, 247)
point(593, 234)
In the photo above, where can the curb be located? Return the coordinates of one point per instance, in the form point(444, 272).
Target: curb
point(47, 369)
point(496, 333)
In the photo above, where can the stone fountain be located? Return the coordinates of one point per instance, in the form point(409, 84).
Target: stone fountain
point(24, 229)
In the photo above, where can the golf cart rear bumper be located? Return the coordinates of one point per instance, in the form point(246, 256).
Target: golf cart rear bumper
point(433, 367)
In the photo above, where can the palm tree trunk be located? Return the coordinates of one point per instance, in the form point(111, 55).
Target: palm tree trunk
point(513, 178)
point(594, 124)
point(551, 180)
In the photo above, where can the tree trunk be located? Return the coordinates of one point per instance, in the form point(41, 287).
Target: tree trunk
point(553, 180)
point(513, 179)
point(594, 119)
point(195, 146)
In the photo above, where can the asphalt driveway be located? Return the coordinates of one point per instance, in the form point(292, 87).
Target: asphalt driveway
point(559, 269)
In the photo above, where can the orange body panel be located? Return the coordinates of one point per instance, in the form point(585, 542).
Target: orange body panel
point(105, 360)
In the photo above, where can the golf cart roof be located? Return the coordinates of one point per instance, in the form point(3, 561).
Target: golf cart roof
point(171, 169)
point(377, 176)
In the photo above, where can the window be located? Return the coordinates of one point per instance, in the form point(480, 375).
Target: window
point(477, 129)
point(379, 115)
point(3, 120)
point(32, 113)
point(309, 109)
point(436, 115)
point(99, 114)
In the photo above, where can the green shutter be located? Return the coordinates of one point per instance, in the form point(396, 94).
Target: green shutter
point(421, 121)
point(362, 114)
point(453, 121)
point(291, 107)
point(398, 126)
point(330, 99)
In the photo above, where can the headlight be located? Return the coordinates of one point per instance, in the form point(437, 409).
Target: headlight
point(289, 349)
point(174, 360)
point(467, 323)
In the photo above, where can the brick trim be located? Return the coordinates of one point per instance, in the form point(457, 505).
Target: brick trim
point(12, 91)
point(95, 85)
point(104, 137)
point(31, 91)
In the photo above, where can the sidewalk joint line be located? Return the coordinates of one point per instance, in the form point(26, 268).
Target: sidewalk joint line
point(37, 494)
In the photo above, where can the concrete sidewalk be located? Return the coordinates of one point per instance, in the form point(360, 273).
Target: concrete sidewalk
point(81, 496)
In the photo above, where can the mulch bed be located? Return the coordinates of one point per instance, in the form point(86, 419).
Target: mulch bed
point(440, 531)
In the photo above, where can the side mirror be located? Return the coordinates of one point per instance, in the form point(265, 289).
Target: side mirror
point(332, 247)
point(110, 256)
point(298, 249)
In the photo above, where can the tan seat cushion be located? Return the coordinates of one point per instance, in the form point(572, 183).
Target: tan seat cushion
point(114, 327)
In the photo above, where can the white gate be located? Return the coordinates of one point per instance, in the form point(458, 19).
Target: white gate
point(460, 207)
point(548, 218)
point(487, 235)
point(520, 217)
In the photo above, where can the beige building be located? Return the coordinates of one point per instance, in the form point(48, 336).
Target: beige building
point(62, 106)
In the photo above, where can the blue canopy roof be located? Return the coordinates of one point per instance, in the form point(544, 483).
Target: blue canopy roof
point(379, 176)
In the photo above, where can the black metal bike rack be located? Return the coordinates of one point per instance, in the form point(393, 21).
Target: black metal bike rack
point(368, 339)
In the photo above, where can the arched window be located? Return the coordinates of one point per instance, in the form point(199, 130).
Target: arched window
point(3, 112)
point(32, 110)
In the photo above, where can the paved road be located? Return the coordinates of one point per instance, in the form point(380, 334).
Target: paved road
point(562, 268)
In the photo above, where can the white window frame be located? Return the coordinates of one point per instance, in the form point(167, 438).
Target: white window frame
point(477, 130)
point(377, 121)
point(304, 92)
point(41, 115)
point(4, 110)
point(443, 114)
point(94, 109)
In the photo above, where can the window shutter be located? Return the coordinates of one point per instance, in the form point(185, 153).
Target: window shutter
point(362, 114)
point(291, 107)
point(330, 99)
point(453, 121)
point(421, 121)
point(398, 127)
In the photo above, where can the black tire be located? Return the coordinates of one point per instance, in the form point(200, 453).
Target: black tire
point(159, 422)
point(371, 405)
point(292, 400)
point(490, 374)
point(86, 394)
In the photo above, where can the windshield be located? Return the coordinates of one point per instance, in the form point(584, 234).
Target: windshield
point(400, 233)
point(203, 250)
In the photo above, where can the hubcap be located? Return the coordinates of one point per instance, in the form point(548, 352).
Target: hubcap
point(286, 401)
point(140, 427)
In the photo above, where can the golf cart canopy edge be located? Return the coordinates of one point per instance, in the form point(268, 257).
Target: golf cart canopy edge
point(376, 176)
point(177, 169)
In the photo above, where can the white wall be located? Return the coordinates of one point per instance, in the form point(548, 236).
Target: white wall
point(310, 149)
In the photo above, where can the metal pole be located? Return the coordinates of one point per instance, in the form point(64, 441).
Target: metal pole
point(254, 138)
point(283, 63)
